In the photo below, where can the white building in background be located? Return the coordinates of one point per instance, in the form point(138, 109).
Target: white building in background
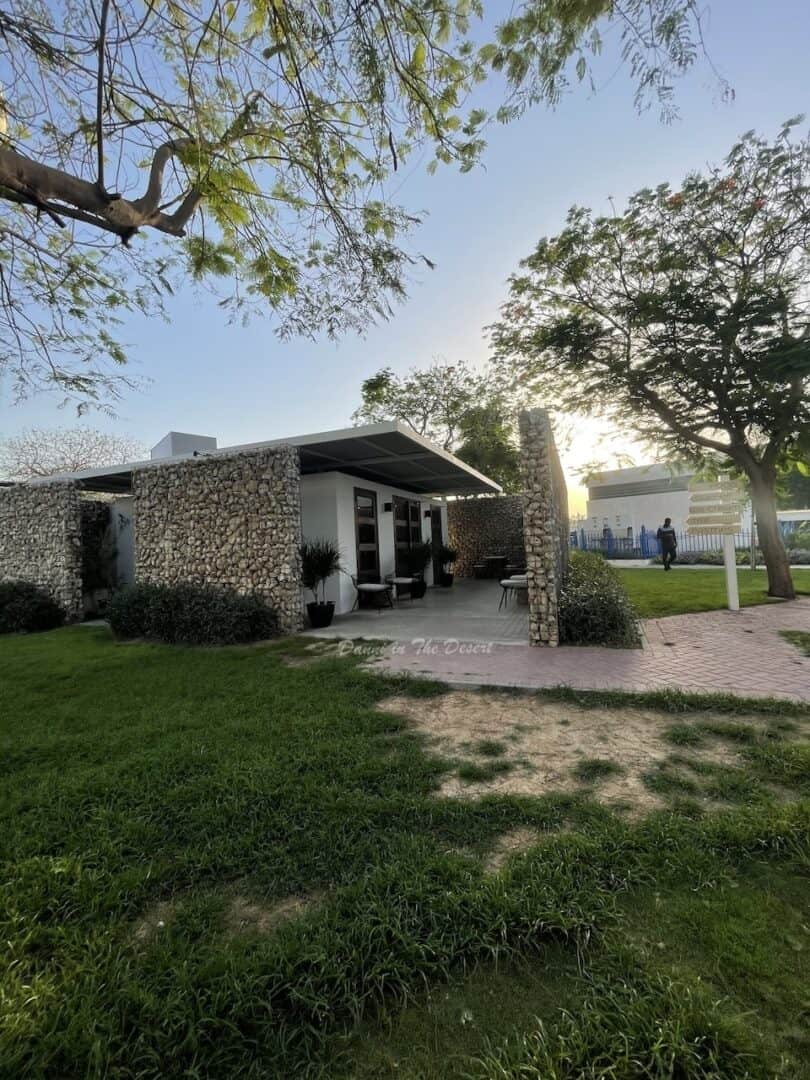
point(624, 500)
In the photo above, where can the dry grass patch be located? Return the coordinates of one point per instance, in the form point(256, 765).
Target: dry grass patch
point(511, 843)
point(245, 916)
point(545, 744)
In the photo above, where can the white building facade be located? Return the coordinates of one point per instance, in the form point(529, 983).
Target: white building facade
point(623, 502)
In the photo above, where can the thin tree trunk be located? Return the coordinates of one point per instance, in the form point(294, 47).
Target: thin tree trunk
point(763, 495)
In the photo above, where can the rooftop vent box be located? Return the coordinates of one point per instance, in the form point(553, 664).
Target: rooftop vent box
point(182, 444)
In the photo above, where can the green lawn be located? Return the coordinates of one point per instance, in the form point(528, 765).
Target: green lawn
point(799, 638)
point(218, 865)
point(655, 592)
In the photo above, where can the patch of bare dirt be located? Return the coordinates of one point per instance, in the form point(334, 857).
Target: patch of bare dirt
point(313, 653)
point(154, 919)
point(509, 844)
point(544, 742)
point(245, 916)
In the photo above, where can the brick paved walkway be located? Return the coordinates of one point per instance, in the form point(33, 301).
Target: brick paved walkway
point(723, 651)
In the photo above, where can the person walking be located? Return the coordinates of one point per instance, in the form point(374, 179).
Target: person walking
point(669, 543)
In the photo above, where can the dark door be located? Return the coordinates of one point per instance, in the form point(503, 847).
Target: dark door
point(366, 533)
point(436, 539)
point(407, 532)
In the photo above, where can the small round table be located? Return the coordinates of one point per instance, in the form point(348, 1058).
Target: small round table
point(402, 584)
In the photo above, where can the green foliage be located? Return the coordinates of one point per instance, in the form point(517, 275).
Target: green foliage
point(684, 735)
point(630, 316)
point(225, 773)
point(799, 638)
point(25, 608)
point(464, 410)
point(446, 555)
point(590, 770)
point(254, 138)
point(655, 594)
point(488, 442)
point(473, 772)
point(320, 559)
point(490, 747)
point(678, 255)
point(594, 606)
point(419, 556)
point(190, 615)
point(654, 1028)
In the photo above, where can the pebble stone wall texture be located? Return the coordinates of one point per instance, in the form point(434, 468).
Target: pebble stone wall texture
point(41, 540)
point(545, 524)
point(232, 521)
point(487, 526)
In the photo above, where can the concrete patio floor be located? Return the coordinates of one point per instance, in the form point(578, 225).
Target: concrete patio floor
point(467, 611)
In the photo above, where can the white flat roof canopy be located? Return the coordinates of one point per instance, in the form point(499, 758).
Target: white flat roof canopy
point(388, 453)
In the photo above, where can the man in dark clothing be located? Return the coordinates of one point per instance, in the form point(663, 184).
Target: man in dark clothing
point(669, 543)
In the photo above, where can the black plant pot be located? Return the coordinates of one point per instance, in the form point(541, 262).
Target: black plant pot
point(445, 579)
point(418, 588)
point(320, 615)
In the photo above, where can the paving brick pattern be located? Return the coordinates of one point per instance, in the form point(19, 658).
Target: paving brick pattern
point(717, 651)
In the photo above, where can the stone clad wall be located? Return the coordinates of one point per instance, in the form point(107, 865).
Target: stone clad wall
point(41, 540)
point(232, 521)
point(545, 524)
point(488, 526)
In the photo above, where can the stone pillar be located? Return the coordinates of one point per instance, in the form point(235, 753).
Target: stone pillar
point(232, 521)
point(545, 524)
point(41, 540)
point(488, 525)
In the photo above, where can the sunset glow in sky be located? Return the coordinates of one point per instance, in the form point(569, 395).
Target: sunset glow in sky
point(242, 384)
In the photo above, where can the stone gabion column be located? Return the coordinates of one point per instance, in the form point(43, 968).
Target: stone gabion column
point(489, 525)
point(227, 520)
point(41, 540)
point(545, 524)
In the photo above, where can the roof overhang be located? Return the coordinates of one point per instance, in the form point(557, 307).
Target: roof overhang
point(388, 453)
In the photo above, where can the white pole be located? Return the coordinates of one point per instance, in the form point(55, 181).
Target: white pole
point(753, 541)
point(730, 562)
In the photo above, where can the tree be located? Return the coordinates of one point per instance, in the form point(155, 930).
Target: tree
point(488, 441)
point(432, 400)
point(49, 451)
point(470, 413)
point(251, 141)
point(686, 318)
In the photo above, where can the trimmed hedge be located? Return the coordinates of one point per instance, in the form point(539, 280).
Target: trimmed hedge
point(594, 606)
point(25, 608)
point(190, 615)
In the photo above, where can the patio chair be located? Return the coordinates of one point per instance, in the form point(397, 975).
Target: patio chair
point(511, 587)
point(378, 593)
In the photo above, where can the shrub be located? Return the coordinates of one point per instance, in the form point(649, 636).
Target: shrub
point(594, 606)
point(25, 608)
point(190, 615)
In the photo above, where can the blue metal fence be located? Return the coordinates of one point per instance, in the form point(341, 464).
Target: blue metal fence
point(646, 546)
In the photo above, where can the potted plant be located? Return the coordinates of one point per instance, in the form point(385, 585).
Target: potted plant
point(446, 557)
point(418, 558)
point(320, 559)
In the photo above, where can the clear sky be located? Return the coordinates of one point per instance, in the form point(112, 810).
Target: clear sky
point(243, 384)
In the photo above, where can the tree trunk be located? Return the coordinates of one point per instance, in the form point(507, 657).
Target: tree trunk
point(763, 495)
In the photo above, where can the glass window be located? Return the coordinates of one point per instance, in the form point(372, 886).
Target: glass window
point(366, 532)
point(365, 513)
point(367, 561)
